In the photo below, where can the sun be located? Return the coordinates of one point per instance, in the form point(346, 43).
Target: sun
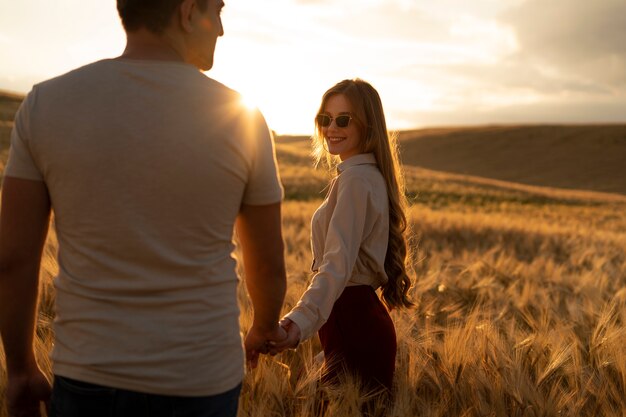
point(249, 102)
point(284, 111)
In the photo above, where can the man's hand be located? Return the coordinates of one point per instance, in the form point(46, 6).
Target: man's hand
point(26, 390)
point(258, 342)
point(24, 220)
point(259, 231)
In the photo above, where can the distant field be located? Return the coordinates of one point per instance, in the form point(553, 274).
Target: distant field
point(9, 103)
point(590, 157)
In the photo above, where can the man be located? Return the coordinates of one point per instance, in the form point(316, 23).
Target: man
point(148, 165)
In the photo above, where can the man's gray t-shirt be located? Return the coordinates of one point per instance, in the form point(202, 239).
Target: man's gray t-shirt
point(147, 164)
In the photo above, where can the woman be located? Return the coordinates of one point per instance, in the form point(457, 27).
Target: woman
point(358, 242)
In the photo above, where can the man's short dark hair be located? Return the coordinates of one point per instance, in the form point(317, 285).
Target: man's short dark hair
point(153, 15)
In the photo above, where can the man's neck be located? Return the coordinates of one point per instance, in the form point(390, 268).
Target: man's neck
point(145, 45)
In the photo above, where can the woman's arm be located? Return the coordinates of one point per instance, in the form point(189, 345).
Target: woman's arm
point(341, 249)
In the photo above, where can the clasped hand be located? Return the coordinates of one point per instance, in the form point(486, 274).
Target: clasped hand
point(286, 335)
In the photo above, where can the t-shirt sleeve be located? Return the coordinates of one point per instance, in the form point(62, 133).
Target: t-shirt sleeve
point(21, 163)
point(341, 249)
point(264, 186)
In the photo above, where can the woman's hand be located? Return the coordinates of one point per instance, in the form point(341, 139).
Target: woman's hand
point(292, 340)
point(259, 342)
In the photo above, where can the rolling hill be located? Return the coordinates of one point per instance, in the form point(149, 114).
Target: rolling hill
point(589, 157)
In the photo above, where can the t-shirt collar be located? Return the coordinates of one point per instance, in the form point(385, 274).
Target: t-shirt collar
point(360, 159)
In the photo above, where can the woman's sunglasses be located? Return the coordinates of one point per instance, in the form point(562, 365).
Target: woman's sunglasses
point(325, 120)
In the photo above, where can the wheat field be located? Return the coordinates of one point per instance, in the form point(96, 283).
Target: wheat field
point(521, 303)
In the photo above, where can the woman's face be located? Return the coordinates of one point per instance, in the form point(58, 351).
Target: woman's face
point(342, 141)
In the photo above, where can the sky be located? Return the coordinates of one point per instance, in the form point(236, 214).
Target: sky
point(434, 63)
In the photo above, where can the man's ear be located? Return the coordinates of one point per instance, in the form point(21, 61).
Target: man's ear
point(186, 10)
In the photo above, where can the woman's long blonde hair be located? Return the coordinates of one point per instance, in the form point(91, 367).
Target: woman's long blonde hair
point(367, 112)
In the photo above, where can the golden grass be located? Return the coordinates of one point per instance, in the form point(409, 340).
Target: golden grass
point(515, 317)
point(521, 304)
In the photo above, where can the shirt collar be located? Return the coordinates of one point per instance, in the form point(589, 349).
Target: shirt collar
point(360, 159)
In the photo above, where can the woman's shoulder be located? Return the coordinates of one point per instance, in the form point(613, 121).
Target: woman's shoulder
point(365, 173)
point(362, 180)
point(359, 174)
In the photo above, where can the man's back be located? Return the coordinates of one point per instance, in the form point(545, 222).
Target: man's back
point(147, 164)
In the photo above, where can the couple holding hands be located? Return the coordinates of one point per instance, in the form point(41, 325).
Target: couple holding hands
point(148, 166)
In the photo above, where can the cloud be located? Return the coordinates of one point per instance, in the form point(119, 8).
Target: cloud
point(356, 4)
point(519, 74)
point(577, 38)
point(454, 61)
point(391, 20)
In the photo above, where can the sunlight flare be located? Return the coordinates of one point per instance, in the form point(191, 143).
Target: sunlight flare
point(249, 102)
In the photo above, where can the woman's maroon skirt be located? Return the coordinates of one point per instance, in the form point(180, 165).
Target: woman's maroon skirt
point(359, 338)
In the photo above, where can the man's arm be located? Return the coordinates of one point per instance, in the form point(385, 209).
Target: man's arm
point(259, 230)
point(24, 220)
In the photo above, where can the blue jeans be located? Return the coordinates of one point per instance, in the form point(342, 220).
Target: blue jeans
point(71, 398)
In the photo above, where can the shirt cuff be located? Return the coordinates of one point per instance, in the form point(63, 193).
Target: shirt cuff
point(303, 323)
